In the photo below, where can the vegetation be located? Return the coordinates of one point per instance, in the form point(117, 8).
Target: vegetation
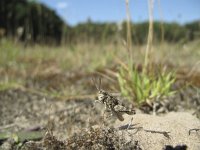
point(147, 85)
point(141, 87)
point(29, 21)
point(45, 64)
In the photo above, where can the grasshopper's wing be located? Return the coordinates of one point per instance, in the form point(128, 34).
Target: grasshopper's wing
point(130, 112)
point(120, 108)
point(117, 114)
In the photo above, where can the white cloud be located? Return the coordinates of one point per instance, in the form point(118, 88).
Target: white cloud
point(61, 5)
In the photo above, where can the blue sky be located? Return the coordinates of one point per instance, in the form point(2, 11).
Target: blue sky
point(76, 11)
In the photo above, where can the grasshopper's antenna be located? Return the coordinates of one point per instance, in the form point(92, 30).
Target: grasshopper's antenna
point(94, 82)
point(99, 83)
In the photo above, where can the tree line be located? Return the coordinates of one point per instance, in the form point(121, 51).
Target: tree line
point(29, 21)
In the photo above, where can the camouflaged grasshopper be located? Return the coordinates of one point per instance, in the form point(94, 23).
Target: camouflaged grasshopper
point(112, 104)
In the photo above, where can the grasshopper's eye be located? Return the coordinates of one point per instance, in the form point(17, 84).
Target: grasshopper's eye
point(101, 92)
point(101, 95)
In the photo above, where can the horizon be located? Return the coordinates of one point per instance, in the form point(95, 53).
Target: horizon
point(77, 11)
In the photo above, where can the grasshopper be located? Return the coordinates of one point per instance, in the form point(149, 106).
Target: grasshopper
point(112, 104)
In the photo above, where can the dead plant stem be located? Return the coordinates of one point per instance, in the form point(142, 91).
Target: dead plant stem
point(129, 38)
point(150, 36)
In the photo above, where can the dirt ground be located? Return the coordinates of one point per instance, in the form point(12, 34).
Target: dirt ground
point(75, 123)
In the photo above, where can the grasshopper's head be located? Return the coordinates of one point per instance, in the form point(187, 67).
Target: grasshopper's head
point(102, 95)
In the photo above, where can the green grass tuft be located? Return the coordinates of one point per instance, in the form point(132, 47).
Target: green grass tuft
point(141, 87)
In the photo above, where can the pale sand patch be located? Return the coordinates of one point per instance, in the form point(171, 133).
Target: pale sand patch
point(171, 129)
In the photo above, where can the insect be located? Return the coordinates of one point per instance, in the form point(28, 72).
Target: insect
point(112, 104)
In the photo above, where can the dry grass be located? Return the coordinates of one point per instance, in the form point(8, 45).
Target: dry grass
point(19, 64)
point(89, 56)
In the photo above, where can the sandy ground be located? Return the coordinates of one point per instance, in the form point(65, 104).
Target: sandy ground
point(78, 123)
